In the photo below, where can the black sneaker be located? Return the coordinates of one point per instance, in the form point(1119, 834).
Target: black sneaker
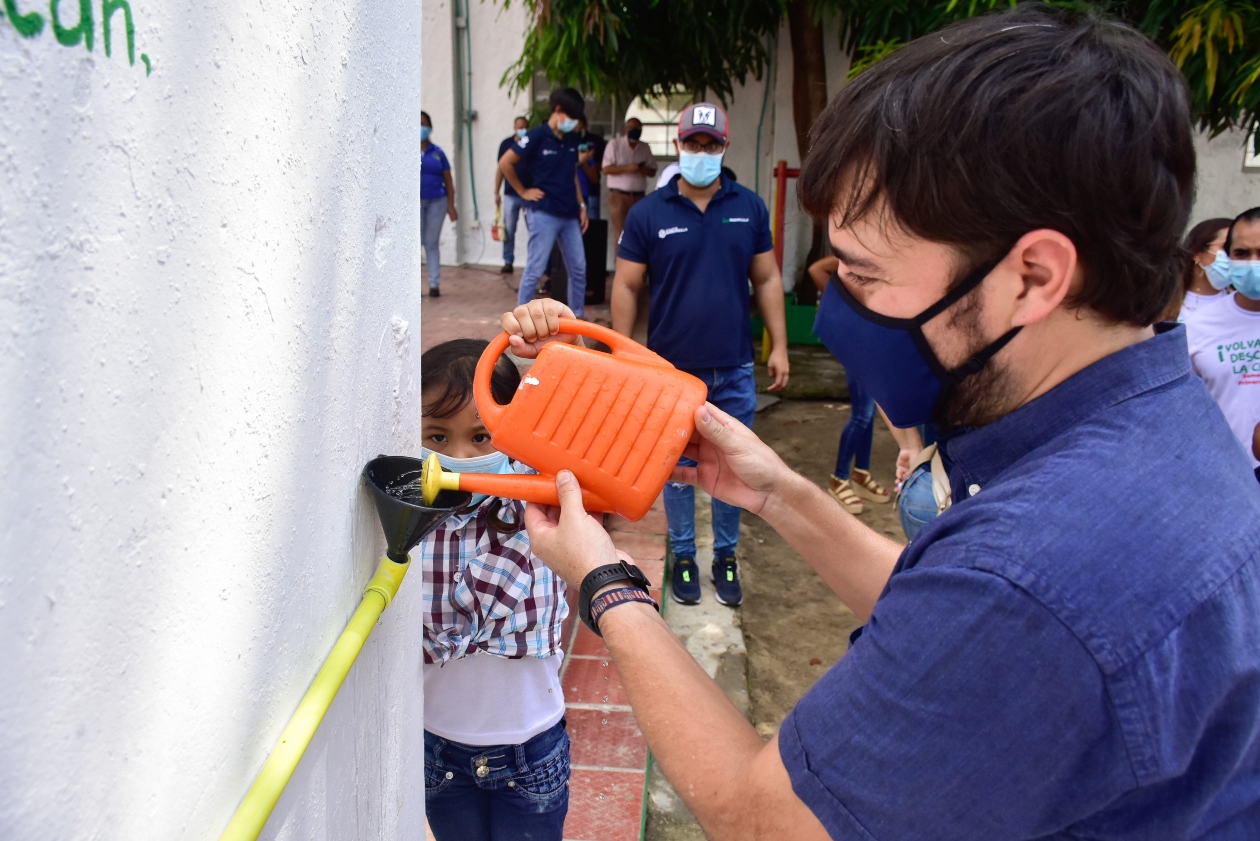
point(726, 580)
point(435, 292)
point(507, 269)
point(685, 586)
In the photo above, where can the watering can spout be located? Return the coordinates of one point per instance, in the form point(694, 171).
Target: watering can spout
point(618, 421)
point(406, 514)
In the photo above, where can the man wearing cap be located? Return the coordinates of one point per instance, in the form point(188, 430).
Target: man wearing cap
point(628, 162)
point(554, 206)
point(704, 237)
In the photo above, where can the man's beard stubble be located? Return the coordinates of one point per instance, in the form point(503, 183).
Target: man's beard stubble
point(986, 395)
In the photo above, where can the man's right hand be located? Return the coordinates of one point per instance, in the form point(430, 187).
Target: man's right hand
point(533, 194)
point(733, 464)
point(532, 325)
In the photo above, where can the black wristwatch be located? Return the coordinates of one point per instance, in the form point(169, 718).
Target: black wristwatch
point(602, 576)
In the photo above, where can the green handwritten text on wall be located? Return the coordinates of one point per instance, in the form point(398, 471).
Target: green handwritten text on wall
point(31, 24)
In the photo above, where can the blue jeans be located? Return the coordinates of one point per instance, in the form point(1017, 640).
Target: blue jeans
point(592, 206)
point(432, 215)
point(916, 505)
point(734, 391)
point(859, 432)
point(524, 797)
point(544, 230)
point(512, 207)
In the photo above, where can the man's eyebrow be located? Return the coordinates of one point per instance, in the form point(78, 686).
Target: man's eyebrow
point(852, 262)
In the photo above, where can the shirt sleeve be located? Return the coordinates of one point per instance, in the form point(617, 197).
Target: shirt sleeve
point(610, 154)
point(524, 147)
point(446, 165)
point(765, 242)
point(633, 245)
point(964, 710)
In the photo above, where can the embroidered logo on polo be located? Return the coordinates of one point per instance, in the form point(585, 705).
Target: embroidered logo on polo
point(550, 152)
point(729, 219)
point(704, 115)
point(523, 142)
point(664, 232)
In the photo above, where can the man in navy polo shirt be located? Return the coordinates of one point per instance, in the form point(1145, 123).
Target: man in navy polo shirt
point(509, 201)
point(554, 206)
point(703, 237)
point(1071, 651)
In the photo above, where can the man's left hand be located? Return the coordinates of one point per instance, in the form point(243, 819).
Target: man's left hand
point(585, 220)
point(569, 541)
point(778, 366)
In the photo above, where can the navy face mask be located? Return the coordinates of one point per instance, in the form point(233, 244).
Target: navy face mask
point(891, 358)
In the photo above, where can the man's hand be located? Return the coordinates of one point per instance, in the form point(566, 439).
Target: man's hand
point(733, 464)
point(585, 220)
point(498, 199)
point(570, 542)
point(533, 194)
point(645, 169)
point(532, 325)
point(585, 157)
point(778, 366)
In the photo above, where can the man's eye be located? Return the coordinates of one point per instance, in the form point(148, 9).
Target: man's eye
point(860, 280)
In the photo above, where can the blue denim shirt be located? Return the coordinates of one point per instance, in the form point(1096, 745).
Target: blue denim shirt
point(1073, 649)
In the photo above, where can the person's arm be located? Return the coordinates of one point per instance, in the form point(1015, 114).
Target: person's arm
point(909, 443)
point(1255, 442)
point(736, 785)
point(582, 215)
point(648, 167)
point(768, 290)
point(591, 167)
point(822, 270)
point(498, 185)
point(450, 194)
point(507, 166)
point(624, 300)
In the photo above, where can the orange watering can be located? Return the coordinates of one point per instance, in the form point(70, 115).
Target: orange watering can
point(618, 420)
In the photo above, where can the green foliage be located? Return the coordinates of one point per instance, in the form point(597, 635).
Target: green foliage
point(630, 48)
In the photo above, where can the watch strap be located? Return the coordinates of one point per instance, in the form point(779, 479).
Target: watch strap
point(611, 598)
point(601, 577)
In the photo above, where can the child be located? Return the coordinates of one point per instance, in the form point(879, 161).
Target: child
point(496, 754)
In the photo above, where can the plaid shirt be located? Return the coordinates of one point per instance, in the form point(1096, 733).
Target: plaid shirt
point(487, 591)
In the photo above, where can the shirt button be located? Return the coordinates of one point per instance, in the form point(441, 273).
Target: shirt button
point(972, 490)
point(482, 771)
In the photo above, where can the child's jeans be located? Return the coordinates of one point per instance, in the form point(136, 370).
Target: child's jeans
point(521, 794)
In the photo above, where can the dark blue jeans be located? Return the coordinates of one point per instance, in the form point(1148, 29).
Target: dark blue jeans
point(524, 795)
point(859, 432)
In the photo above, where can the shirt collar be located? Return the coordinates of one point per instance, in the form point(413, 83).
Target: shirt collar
point(672, 194)
point(980, 455)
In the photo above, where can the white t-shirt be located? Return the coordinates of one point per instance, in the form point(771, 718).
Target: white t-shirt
point(488, 700)
point(1224, 342)
point(1194, 303)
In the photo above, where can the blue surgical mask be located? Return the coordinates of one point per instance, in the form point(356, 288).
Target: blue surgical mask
point(698, 168)
point(495, 462)
point(424, 132)
point(891, 357)
point(521, 132)
point(1218, 271)
point(567, 125)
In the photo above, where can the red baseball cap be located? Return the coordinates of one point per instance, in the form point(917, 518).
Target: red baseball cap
point(703, 118)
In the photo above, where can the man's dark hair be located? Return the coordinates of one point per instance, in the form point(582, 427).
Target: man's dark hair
point(1199, 238)
point(1252, 215)
point(446, 376)
point(569, 101)
point(1034, 118)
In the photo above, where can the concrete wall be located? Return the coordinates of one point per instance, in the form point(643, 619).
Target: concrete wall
point(209, 307)
point(1225, 188)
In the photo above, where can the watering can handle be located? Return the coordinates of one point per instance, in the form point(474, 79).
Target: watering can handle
point(492, 412)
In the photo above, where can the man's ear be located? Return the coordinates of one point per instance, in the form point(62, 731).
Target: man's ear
point(1045, 268)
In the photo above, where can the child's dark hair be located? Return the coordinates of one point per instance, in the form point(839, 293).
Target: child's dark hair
point(446, 373)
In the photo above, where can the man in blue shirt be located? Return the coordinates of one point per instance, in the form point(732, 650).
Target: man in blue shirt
point(555, 209)
point(437, 201)
point(510, 202)
point(704, 237)
point(1073, 649)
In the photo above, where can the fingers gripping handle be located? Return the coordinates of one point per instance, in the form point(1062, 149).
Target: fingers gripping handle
point(492, 411)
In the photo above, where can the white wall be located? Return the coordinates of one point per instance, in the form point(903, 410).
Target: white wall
point(209, 307)
point(1225, 189)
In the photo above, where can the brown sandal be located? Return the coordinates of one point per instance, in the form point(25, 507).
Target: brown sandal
point(869, 487)
point(842, 491)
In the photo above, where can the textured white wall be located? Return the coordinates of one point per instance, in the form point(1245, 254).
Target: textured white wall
point(209, 316)
point(1224, 188)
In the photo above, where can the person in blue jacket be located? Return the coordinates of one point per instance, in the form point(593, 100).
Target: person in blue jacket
point(437, 200)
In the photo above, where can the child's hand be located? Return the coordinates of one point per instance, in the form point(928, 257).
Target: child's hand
point(534, 324)
point(568, 540)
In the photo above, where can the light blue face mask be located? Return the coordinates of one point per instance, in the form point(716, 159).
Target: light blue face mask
point(699, 169)
point(567, 125)
point(521, 132)
point(424, 132)
point(1218, 271)
point(495, 462)
point(1244, 276)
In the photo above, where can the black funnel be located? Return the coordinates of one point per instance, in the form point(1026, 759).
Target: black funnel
point(395, 485)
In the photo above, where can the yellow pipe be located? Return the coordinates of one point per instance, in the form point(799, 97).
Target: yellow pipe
point(251, 816)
